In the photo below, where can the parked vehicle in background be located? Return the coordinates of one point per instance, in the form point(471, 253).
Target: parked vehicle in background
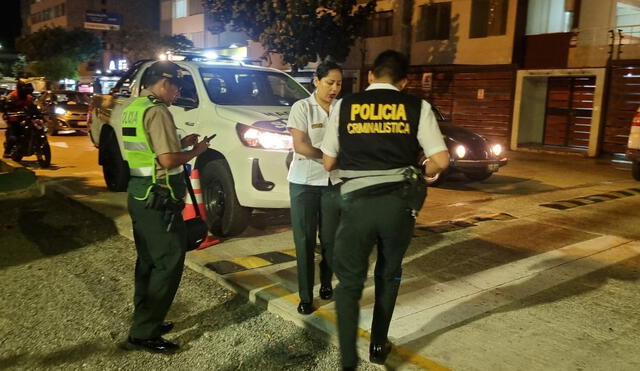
point(246, 106)
point(633, 146)
point(469, 153)
point(64, 111)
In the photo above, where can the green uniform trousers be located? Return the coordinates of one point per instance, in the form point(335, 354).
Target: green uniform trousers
point(158, 267)
point(366, 221)
point(314, 211)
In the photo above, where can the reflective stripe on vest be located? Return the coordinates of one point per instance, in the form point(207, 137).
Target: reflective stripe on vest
point(137, 150)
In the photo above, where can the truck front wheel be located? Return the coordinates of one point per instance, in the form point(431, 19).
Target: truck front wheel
point(225, 215)
point(635, 169)
point(114, 169)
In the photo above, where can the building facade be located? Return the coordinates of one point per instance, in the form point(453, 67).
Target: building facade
point(98, 16)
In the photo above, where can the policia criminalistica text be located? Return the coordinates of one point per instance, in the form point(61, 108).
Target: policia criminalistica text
point(363, 116)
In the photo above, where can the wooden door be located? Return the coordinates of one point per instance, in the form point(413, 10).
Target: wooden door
point(569, 111)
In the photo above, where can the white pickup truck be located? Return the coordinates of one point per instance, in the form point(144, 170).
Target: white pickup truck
point(246, 106)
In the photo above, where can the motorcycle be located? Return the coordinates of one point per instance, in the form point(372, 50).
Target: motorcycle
point(30, 138)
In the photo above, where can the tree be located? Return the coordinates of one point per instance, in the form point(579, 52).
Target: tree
point(142, 43)
point(302, 31)
point(55, 68)
point(55, 53)
point(18, 68)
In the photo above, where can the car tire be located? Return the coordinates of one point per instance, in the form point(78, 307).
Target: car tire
point(478, 176)
point(16, 153)
point(635, 169)
point(114, 169)
point(44, 155)
point(225, 216)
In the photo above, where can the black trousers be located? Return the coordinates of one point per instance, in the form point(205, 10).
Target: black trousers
point(314, 212)
point(366, 221)
point(158, 268)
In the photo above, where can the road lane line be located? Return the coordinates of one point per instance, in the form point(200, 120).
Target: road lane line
point(60, 144)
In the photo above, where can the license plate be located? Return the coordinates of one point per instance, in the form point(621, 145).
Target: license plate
point(84, 123)
point(493, 167)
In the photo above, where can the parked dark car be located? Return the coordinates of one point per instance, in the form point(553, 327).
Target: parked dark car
point(64, 111)
point(469, 153)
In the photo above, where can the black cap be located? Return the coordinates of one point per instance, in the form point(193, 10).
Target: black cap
point(167, 69)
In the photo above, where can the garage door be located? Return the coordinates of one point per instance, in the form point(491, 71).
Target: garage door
point(569, 111)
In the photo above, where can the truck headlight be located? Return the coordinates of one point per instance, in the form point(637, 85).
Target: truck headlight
point(496, 149)
point(461, 151)
point(258, 138)
point(60, 111)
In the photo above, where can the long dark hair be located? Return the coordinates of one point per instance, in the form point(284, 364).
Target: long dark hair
point(324, 67)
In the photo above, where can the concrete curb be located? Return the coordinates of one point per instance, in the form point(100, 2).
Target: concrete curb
point(18, 182)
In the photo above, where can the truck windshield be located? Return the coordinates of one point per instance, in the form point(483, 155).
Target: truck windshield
point(241, 87)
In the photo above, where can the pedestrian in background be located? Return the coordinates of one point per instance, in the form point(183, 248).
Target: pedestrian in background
point(374, 138)
point(156, 189)
point(311, 199)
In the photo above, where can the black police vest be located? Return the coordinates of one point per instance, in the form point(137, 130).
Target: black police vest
point(378, 130)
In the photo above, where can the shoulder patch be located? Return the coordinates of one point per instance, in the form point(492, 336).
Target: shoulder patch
point(153, 99)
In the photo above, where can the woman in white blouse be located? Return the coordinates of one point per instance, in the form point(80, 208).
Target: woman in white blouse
point(309, 184)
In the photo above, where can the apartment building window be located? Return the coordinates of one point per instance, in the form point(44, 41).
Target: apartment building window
point(179, 8)
point(380, 24)
point(195, 7)
point(488, 18)
point(435, 22)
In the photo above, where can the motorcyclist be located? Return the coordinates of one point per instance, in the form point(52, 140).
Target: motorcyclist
point(19, 100)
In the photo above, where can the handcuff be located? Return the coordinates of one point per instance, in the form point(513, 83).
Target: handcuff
point(426, 177)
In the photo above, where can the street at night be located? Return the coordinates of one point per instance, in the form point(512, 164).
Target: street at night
point(240, 185)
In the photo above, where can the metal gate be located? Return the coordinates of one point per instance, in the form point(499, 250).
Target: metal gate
point(569, 111)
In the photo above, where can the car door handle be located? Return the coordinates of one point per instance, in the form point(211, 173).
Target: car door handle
point(188, 123)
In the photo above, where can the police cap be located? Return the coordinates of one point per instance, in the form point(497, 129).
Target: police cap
point(168, 70)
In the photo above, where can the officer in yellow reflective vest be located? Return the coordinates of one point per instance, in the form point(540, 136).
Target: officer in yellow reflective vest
point(156, 189)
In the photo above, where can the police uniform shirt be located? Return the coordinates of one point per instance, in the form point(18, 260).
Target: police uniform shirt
point(428, 135)
point(308, 116)
point(161, 133)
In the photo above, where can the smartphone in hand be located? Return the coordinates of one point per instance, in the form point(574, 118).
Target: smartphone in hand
point(208, 138)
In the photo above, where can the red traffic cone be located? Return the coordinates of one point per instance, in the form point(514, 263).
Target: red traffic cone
point(190, 211)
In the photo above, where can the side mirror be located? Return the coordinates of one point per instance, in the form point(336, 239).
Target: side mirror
point(186, 103)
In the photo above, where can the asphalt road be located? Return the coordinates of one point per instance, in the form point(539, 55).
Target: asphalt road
point(536, 268)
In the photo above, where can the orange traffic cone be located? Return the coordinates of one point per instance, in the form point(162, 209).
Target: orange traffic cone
point(190, 211)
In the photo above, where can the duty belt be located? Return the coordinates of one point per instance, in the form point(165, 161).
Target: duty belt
point(359, 179)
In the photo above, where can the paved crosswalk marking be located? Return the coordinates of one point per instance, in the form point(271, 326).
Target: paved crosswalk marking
point(592, 199)
point(453, 225)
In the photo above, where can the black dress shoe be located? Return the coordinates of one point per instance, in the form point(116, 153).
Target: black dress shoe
point(305, 308)
point(326, 292)
point(165, 327)
point(378, 352)
point(157, 345)
point(349, 368)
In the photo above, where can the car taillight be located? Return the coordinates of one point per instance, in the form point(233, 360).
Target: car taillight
point(14, 118)
point(636, 120)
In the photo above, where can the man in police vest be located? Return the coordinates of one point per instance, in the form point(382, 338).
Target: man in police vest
point(374, 139)
point(156, 189)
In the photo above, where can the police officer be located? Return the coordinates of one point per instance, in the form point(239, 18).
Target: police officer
point(374, 139)
point(156, 189)
point(311, 195)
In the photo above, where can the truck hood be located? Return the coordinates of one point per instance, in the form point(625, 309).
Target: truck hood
point(264, 117)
